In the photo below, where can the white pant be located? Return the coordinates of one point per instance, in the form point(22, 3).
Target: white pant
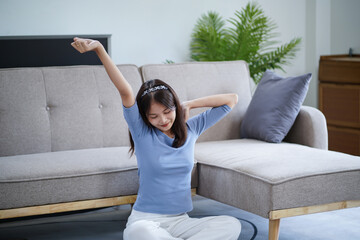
point(150, 226)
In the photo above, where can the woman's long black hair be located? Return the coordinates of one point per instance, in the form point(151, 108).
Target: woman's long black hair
point(169, 99)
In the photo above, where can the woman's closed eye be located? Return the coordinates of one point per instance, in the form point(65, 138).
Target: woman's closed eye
point(165, 112)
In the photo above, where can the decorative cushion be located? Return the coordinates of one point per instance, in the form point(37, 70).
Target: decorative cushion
point(274, 107)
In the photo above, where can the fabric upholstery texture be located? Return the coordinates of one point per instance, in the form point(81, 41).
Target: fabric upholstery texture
point(265, 177)
point(24, 123)
point(58, 164)
point(61, 108)
point(274, 107)
point(309, 129)
point(63, 176)
point(60, 190)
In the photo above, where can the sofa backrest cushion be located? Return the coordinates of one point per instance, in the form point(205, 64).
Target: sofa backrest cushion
point(198, 79)
point(61, 108)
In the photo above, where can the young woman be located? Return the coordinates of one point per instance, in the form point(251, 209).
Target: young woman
point(163, 139)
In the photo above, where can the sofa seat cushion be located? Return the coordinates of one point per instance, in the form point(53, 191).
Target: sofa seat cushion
point(64, 164)
point(64, 176)
point(260, 177)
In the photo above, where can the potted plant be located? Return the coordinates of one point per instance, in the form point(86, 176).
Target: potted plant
point(250, 38)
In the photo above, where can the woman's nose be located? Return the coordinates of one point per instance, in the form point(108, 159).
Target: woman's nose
point(162, 119)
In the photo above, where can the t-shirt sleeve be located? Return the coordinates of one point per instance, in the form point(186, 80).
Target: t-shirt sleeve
point(205, 120)
point(133, 118)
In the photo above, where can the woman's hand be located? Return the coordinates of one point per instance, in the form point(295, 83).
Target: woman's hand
point(124, 88)
point(85, 45)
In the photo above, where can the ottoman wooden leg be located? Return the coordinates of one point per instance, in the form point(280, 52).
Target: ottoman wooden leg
point(274, 226)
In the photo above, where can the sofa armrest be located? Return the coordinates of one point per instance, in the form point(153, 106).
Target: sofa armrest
point(309, 129)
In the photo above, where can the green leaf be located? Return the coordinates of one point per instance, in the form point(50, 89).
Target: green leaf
point(250, 37)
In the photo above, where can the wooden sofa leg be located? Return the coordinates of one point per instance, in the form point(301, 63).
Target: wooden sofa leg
point(274, 226)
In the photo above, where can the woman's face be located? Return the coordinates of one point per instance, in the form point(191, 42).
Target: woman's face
point(161, 117)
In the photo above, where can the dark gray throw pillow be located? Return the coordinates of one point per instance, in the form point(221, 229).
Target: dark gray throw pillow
point(274, 107)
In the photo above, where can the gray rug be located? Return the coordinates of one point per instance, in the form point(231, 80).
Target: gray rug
point(108, 223)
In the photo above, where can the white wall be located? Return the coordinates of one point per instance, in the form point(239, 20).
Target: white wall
point(151, 31)
point(345, 26)
point(317, 42)
point(332, 27)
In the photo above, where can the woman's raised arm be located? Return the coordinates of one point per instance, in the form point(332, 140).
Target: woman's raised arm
point(229, 99)
point(126, 92)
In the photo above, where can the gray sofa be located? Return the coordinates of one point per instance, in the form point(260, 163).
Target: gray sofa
point(64, 146)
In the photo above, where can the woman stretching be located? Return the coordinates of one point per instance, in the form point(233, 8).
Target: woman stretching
point(163, 139)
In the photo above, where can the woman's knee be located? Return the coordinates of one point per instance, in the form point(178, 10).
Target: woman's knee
point(140, 230)
point(232, 225)
point(233, 221)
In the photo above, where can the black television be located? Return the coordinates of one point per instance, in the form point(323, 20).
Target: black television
point(44, 51)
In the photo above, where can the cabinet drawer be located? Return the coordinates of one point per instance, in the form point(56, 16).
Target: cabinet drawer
point(340, 104)
point(344, 140)
point(340, 69)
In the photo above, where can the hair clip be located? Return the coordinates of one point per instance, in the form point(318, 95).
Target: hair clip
point(153, 89)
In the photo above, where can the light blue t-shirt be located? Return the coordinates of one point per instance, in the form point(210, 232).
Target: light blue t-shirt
point(164, 171)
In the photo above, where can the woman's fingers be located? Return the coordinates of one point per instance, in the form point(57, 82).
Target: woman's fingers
point(84, 45)
point(76, 44)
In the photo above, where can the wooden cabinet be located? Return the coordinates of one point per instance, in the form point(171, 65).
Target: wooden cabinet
point(339, 100)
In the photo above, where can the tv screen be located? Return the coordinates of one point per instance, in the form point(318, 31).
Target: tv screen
point(43, 51)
